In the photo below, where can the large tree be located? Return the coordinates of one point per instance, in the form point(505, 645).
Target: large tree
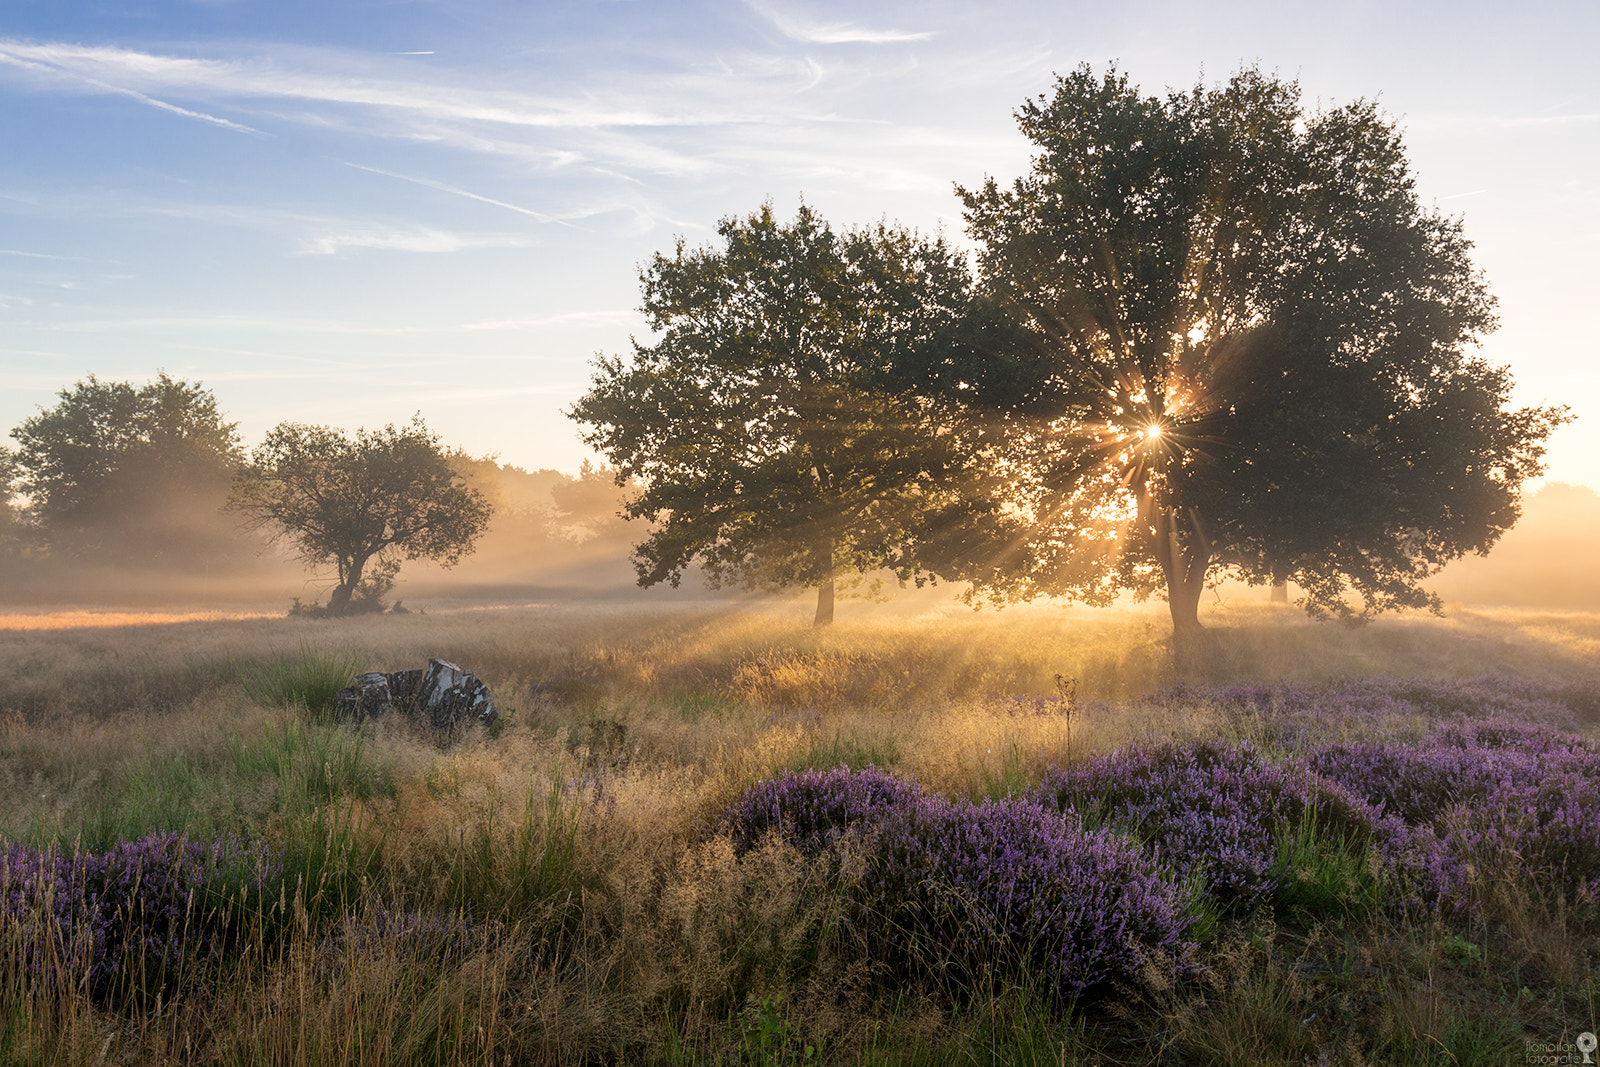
point(769, 425)
point(129, 472)
point(361, 505)
point(1245, 346)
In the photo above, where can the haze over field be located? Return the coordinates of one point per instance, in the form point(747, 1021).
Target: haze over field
point(345, 213)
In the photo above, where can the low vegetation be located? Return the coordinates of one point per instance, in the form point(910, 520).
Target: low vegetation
point(720, 837)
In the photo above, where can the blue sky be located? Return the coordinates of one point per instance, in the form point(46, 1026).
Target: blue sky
point(345, 211)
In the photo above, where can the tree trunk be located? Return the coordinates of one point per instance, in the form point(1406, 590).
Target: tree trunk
point(824, 605)
point(1185, 560)
point(824, 550)
point(339, 599)
point(1280, 591)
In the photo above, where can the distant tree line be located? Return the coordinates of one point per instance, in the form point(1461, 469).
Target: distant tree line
point(119, 484)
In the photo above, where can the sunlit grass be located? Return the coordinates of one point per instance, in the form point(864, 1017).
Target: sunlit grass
point(627, 934)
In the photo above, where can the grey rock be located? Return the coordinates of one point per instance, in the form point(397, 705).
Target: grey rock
point(443, 696)
point(366, 696)
point(450, 696)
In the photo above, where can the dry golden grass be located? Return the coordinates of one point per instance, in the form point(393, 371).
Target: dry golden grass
point(646, 939)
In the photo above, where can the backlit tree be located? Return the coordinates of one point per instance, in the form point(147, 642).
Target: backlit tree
point(770, 427)
point(360, 505)
point(1246, 348)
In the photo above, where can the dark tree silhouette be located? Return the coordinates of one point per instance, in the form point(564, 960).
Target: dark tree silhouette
point(772, 439)
point(360, 505)
point(1240, 344)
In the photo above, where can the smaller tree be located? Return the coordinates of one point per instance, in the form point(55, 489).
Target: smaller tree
point(361, 506)
point(768, 426)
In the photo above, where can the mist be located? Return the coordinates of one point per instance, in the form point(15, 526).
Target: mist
point(1547, 560)
point(170, 546)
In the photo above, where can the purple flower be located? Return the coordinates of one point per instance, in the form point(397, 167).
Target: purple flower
point(1209, 808)
point(959, 887)
point(129, 920)
point(812, 808)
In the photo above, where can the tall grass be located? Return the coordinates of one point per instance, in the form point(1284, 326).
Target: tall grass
point(309, 680)
point(556, 894)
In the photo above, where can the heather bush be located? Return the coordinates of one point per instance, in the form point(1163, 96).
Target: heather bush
point(812, 808)
point(1210, 810)
point(1518, 799)
point(955, 888)
point(1298, 718)
point(950, 889)
point(127, 923)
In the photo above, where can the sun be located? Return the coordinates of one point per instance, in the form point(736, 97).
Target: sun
point(1152, 432)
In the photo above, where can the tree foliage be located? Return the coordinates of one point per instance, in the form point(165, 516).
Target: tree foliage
point(360, 505)
point(121, 470)
point(770, 425)
point(1238, 342)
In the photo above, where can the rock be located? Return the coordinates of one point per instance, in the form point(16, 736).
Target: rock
point(366, 696)
point(450, 696)
point(443, 696)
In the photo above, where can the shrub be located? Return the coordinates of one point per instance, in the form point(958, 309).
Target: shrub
point(952, 889)
point(1209, 809)
point(1301, 717)
point(127, 923)
point(812, 808)
point(959, 887)
point(1483, 795)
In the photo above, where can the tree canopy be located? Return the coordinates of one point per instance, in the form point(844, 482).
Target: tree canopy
point(1237, 342)
point(120, 470)
point(360, 505)
point(770, 425)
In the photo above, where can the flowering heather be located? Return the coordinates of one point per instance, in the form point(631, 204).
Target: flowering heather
point(966, 884)
point(812, 808)
point(1490, 792)
point(136, 914)
point(1299, 717)
point(960, 885)
point(1209, 807)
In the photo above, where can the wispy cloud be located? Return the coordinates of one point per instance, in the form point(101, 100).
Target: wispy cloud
point(209, 322)
point(173, 108)
point(117, 69)
point(38, 63)
point(40, 255)
point(432, 395)
point(429, 183)
point(833, 32)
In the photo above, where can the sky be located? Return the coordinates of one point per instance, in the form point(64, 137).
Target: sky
point(347, 211)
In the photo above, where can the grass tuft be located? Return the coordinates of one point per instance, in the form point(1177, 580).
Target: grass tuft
point(308, 680)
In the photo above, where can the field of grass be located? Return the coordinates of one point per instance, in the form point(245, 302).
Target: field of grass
point(1331, 845)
